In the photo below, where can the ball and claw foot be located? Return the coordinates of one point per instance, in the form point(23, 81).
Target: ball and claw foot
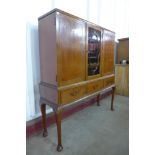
point(45, 133)
point(59, 148)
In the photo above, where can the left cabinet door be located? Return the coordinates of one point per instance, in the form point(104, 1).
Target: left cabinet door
point(70, 49)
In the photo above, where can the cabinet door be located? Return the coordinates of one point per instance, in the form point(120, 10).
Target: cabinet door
point(70, 49)
point(93, 51)
point(108, 52)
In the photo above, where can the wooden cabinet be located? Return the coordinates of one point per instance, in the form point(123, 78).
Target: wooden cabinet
point(122, 79)
point(76, 62)
point(122, 50)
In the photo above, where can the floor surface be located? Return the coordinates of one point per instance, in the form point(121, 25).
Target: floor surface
point(92, 131)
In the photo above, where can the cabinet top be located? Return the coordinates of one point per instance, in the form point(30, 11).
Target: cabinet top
point(68, 14)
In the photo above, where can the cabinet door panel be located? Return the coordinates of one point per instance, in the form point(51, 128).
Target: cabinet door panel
point(70, 49)
point(108, 52)
point(93, 46)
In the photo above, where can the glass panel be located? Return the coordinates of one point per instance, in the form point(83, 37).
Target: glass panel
point(94, 50)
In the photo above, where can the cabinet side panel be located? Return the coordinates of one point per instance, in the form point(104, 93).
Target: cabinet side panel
point(48, 93)
point(108, 52)
point(47, 47)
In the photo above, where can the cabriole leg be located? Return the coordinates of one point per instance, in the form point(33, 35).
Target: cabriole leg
point(43, 111)
point(98, 100)
point(58, 122)
point(112, 99)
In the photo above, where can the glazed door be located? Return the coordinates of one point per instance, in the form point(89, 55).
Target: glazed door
point(93, 51)
point(70, 49)
point(108, 52)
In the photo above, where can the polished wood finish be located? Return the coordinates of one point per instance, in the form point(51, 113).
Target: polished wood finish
point(94, 86)
point(108, 52)
point(72, 94)
point(122, 79)
point(109, 81)
point(71, 50)
point(123, 49)
point(64, 42)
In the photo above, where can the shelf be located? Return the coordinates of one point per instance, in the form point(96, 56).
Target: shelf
point(92, 57)
point(93, 51)
point(93, 65)
point(94, 41)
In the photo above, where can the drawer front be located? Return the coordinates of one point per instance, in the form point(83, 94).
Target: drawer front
point(72, 94)
point(109, 81)
point(94, 86)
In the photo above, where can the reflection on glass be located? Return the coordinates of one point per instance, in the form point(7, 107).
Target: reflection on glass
point(94, 48)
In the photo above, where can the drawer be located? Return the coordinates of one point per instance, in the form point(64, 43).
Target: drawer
point(94, 86)
point(71, 94)
point(109, 81)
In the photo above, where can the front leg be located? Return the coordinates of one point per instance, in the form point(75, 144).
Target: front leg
point(112, 99)
point(98, 100)
point(58, 115)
